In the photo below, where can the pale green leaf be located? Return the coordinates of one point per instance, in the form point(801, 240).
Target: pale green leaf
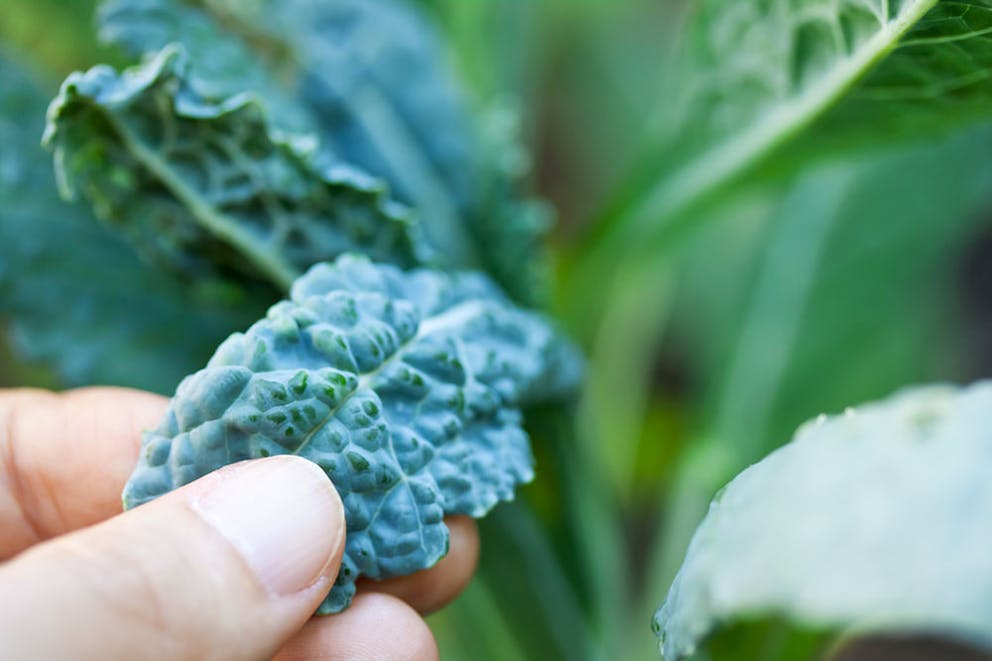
point(754, 76)
point(872, 520)
point(843, 290)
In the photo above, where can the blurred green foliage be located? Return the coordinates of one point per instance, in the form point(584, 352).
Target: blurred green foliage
point(802, 288)
point(56, 36)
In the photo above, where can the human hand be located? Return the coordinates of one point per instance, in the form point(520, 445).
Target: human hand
point(228, 567)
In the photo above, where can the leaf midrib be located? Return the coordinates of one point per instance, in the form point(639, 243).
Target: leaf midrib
point(269, 262)
point(453, 316)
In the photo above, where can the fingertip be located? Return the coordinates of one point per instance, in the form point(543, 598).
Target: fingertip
point(282, 514)
point(53, 488)
point(258, 541)
point(376, 627)
point(310, 471)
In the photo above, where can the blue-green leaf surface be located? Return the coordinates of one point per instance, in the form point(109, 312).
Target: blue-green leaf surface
point(207, 185)
point(368, 72)
point(375, 76)
point(873, 520)
point(404, 387)
point(73, 294)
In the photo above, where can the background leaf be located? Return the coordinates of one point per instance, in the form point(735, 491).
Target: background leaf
point(754, 77)
point(207, 186)
point(73, 293)
point(372, 81)
point(222, 63)
point(866, 520)
point(869, 286)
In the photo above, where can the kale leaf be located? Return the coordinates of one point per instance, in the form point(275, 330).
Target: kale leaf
point(371, 79)
point(405, 387)
point(207, 185)
point(73, 294)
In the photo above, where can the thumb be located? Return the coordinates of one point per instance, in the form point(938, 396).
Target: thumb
point(228, 567)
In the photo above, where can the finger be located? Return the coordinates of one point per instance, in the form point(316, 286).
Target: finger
point(431, 589)
point(65, 458)
point(376, 627)
point(228, 567)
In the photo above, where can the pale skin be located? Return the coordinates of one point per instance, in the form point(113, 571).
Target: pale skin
point(81, 580)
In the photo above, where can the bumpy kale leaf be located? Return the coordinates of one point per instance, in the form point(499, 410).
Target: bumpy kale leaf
point(871, 520)
point(73, 294)
point(206, 185)
point(404, 387)
point(371, 79)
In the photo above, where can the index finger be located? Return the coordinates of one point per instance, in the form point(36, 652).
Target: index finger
point(64, 458)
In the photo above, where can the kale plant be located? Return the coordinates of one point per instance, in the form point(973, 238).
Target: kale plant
point(763, 204)
point(391, 366)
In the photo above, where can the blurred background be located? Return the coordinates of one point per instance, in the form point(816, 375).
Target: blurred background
point(807, 290)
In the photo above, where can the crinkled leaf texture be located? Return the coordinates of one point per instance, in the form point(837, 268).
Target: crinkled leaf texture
point(874, 520)
point(371, 79)
point(205, 184)
point(348, 64)
point(375, 77)
point(404, 387)
point(72, 293)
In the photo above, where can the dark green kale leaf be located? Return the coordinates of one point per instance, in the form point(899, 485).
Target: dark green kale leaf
point(73, 294)
point(405, 387)
point(206, 185)
point(376, 77)
point(371, 78)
